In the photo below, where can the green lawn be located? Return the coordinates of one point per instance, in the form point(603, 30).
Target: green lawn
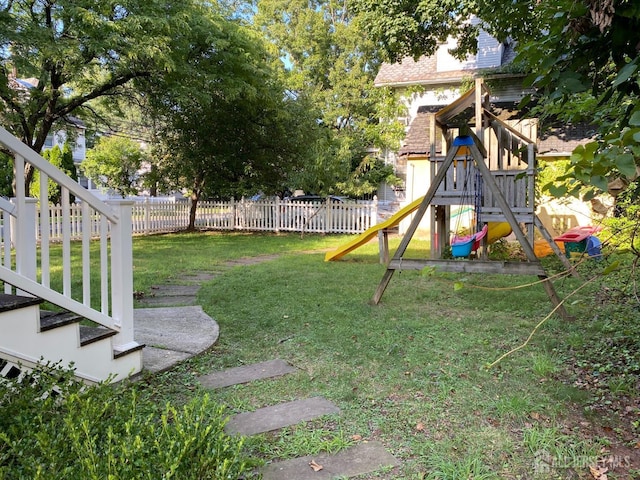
point(412, 371)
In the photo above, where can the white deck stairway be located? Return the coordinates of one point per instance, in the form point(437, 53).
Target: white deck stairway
point(93, 329)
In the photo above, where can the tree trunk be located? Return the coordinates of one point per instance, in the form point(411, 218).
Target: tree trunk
point(195, 196)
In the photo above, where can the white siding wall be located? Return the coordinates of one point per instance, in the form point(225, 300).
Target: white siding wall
point(79, 148)
point(489, 55)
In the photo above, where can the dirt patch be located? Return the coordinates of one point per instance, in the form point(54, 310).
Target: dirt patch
point(612, 420)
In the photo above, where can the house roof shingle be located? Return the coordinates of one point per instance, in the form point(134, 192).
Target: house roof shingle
point(412, 72)
point(552, 141)
point(425, 70)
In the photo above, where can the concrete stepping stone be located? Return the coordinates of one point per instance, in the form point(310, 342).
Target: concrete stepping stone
point(246, 374)
point(279, 416)
point(174, 290)
point(168, 301)
point(358, 460)
point(196, 277)
point(168, 334)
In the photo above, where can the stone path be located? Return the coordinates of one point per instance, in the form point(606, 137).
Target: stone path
point(184, 289)
point(360, 459)
point(168, 334)
point(167, 327)
point(246, 374)
point(279, 416)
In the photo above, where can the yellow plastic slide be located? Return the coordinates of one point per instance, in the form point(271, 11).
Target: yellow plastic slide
point(496, 231)
point(369, 234)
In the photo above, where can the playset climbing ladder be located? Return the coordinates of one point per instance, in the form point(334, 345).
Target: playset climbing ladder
point(505, 160)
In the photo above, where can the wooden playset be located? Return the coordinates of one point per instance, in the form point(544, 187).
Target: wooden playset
point(487, 164)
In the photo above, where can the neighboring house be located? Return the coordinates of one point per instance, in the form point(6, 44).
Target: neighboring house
point(431, 83)
point(73, 132)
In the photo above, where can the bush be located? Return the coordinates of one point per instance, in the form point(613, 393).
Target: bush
point(52, 426)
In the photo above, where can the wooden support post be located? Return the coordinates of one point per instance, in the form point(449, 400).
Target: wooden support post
point(511, 218)
point(413, 226)
point(383, 246)
point(554, 246)
point(382, 286)
point(439, 226)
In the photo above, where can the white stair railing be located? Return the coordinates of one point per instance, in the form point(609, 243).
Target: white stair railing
point(112, 306)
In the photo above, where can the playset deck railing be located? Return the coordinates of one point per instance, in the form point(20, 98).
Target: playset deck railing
point(511, 158)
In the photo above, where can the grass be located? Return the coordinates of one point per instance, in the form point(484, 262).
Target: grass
point(409, 372)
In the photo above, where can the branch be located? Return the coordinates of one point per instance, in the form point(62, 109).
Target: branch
point(100, 91)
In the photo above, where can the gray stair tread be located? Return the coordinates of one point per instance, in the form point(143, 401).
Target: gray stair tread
point(50, 320)
point(357, 460)
point(10, 302)
point(279, 416)
point(93, 334)
point(246, 373)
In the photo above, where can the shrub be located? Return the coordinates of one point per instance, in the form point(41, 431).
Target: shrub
point(53, 426)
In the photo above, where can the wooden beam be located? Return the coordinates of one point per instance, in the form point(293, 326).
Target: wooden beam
point(554, 246)
point(490, 182)
point(383, 246)
point(508, 127)
point(478, 113)
point(471, 266)
point(415, 222)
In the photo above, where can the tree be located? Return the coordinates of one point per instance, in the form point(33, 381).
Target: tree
point(331, 62)
point(114, 164)
point(583, 59)
point(76, 51)
point(63, 159)
point(226, 126)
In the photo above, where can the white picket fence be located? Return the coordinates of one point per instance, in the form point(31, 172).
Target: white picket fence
point(276, 215)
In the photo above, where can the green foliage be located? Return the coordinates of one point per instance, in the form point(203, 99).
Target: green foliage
point(82, 50)
point(581, 57)
point(550, 177)
point(416, 27)
point(114, 164)
point(107, 431)
point(6, 175)
point(63, 160)
point(330, 61)
point(227, 126)
point(367, 177)
point(622, 231)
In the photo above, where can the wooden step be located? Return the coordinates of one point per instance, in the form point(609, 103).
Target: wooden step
point(121, 353)
point(61, 335)
point(50, 320)
point(90, 334)
point(13, 302)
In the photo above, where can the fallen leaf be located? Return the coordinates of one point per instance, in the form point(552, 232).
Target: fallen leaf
point(599, 473)
point(314, 466)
